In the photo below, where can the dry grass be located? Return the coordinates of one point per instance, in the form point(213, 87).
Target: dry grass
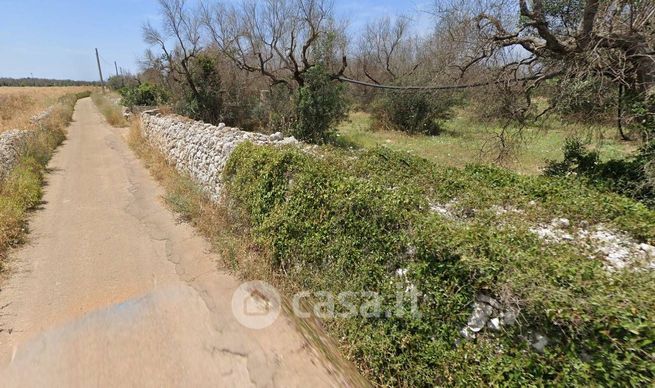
point(19, 104)
point(20, 190)
point(107, 105)
point(185, 198)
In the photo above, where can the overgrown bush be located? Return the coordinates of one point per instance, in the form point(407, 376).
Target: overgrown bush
point(319, 106)
point(118, 82)
point(276, 109)
point(413, 112)
point(144, 94)
point(349, 224)
point(633, 177)
point(205, 102)
point(642, 114)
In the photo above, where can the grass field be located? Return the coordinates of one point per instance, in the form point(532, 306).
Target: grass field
point(19, 104)
point(465, 141)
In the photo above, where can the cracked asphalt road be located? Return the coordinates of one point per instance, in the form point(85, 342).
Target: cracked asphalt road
point(112, 291)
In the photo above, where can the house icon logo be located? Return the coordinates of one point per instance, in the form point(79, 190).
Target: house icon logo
point(256, 304)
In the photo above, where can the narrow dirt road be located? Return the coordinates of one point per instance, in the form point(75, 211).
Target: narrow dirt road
point(112, 291)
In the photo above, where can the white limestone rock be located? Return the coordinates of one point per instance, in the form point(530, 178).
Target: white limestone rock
point(199, 149)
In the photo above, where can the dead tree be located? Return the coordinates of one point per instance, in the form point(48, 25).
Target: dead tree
point(182, 27)
point(387, 51)
point(279, 39)
point(613, 39)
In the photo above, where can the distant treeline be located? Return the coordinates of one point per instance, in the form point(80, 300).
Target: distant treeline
point(43, 82)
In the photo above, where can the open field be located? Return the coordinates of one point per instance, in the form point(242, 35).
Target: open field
point(19, 104)
point(465, 141)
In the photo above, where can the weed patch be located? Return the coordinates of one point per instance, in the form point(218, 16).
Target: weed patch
point(21, 189)
point(111, 110)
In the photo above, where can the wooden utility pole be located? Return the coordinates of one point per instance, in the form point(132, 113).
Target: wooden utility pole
point(102, 82)
point(116, 66)
point(619, 116)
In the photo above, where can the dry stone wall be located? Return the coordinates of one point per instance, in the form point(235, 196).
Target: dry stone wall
point(12, 145)
point(14, 142)
point(198, 149)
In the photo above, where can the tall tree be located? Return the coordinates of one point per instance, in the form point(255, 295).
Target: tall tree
point(280, 39)
point(570, 39)
point(181, 28)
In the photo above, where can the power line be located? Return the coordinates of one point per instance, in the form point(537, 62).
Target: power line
point(448, 87)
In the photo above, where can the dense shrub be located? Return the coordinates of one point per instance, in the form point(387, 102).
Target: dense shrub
point(205, 102)
point(411, 111)
point(633, 177)
point(118, 82)
point(144, 94)
point(319, 106)
point(642, 114)
point(276, 110)
point(343, 223)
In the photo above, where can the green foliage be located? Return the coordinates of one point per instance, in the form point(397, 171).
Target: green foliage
point(320, 105)
point(144, 94)
point(276, 110)
point(118, 82)
point(642, 110)
point(563, 13)
point(205, 102)
point(633, 177)
point(412, 112)
point(20, 191)
point(343, 223)
point(576, 159)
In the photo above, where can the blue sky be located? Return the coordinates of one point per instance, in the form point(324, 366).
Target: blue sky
point(56, 38)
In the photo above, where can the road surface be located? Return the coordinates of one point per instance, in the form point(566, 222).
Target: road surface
point(112, 291)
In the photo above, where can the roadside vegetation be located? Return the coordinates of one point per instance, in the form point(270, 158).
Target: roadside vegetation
point(109, 108)
point(21, 189)
point(369, 223)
